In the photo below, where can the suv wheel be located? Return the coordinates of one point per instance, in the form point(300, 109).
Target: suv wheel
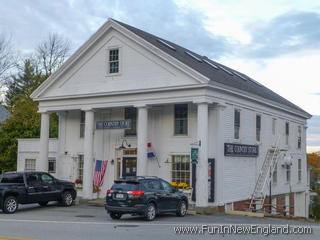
point(150, 212)
point(10, 205)
point(115, 215)
point(43, 203)
point(67, 199)
point(182, 209)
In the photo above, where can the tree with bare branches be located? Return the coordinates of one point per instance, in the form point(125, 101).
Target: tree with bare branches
point(6, 57)
point(52, 53)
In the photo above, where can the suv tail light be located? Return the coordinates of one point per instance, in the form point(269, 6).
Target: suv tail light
point(136, 193)
point(109, 192)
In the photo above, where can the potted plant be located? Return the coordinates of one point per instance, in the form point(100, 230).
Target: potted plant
point(78, 183)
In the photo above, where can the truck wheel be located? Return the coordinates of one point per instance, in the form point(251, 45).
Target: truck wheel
point(10, 205)
point(43, 203)
point(115, 215)
point(182, 209)
point(66, 199)
point(150, 213)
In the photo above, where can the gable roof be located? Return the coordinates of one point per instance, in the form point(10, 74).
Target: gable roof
point(216, 72)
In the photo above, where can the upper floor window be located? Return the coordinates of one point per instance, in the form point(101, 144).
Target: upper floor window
point(258, 128)
point(299, 170)
point(114, 61)
point(236, 124)
point(181, 119)
point(274, 123)
point(299, 137)
point(131, 113)
point(287, 133)
point(82, 123)
point(275, 175)
point(288, 173)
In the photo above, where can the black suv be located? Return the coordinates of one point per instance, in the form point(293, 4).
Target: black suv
point(145, 196)
point(33, 187)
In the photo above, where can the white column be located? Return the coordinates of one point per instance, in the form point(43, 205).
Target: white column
point(142, 135)
point(88, 155)
point(42, 164)
point(202, 166)
point(61, 145)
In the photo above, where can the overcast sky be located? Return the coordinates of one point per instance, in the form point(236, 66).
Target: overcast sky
point(276, 42)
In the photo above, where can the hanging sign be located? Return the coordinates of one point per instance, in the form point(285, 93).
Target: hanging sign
point(241, 150)
point(115, 124)
point(194, 155)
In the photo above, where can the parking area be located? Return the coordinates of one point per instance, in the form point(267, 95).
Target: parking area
point(90, 222)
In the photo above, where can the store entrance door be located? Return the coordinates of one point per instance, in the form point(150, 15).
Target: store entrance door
point(129, 166)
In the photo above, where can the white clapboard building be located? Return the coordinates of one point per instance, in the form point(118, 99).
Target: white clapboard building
point(125, 88)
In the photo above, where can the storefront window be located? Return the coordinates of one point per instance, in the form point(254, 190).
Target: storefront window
point(180, 171)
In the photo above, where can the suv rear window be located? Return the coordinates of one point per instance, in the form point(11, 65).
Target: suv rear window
point(125, 186)
point(12, 178)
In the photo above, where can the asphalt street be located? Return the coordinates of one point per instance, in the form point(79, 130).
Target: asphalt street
point(89, 222)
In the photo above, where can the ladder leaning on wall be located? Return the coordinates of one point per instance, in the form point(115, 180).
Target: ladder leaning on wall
point(264, 177)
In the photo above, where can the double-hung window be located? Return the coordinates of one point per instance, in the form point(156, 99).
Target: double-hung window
point(287, 133)
point(299, 170)
point(82, 123)
point(299, 137)
point(130, 113)
point(236, 124)
point(30, 165)
point(288, 173)
point(114, 61)
point(258, 128)
point(181, 119)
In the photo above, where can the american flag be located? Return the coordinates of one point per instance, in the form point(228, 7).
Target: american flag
point(150, 151)
point(99, 171)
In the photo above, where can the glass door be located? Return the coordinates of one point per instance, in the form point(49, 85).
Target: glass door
point(129, 166)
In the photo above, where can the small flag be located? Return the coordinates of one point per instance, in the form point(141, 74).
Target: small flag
point(150, 151)
point(99, 171)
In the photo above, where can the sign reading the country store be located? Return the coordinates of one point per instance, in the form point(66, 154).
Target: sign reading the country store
point(115, 124)
point(241, 150)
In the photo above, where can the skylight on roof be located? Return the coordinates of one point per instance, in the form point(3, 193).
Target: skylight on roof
point(193, 56)
point(166, 44)
point(211, 64)
point(226, 70)
point(239, 75)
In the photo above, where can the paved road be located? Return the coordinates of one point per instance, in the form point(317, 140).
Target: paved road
point(88, 222)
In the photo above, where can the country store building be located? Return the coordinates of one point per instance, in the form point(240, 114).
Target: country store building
point(125, 90)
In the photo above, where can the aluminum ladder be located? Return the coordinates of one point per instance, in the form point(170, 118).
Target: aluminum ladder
point(268, 166)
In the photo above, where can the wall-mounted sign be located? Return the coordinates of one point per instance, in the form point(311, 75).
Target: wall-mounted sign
point(241, 150)
point(115, 124)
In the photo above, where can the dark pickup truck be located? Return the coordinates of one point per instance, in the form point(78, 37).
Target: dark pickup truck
point(33, 187)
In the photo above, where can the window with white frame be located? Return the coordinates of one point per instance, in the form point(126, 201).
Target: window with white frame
point(275, 175)
point(180, 169)
point(287, 132)
point(82, 123)
point(288, 173)
point(299, 137)
point(80, 166)
point(258, 128)
point(299, 170)
point(236, 124)
point(52, 165)
point(30, 165)
point(180, 119)
point(113, 61)
point(274, 123)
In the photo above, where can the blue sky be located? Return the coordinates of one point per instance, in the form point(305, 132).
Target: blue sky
point(276, 42)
